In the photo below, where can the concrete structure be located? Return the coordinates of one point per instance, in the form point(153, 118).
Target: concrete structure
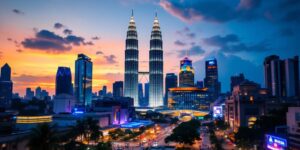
point(63, 103)
point(244, 105)
point(293, 124)
point(282, 76)
point(188, 98)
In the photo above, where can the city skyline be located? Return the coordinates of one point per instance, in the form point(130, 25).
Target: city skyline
point(205, 34)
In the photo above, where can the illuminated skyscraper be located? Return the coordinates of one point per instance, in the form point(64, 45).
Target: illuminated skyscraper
point(118, 89)
point(186, 74)
point(170, 82)
point(211, 80)
point(6, 86)
point(156, 66)
point(83, 80)
point(63, 83)
point(131, 63)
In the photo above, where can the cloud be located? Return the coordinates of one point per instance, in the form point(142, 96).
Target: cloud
point(210, 10)
point(193, 51)
point(225, 69)
point(179, 43)
point(191, 12)
point(19, 50)
point(58, 25)
point(68, 31)
point(231, 44)
point(49, 41)
point(248, 4)
point(95, 38)
point(287, 32)
point(99, 53)
point(110, 59)
point(17, 11)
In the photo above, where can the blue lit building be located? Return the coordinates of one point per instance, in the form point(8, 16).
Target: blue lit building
point(118, 89)
point(6, 86)
point(188, 98)
point(83, 80)
point(170, 82)
point(211, 80)
point(63, 84)
point(131, 63)
point(186, 74)
point(156, 66)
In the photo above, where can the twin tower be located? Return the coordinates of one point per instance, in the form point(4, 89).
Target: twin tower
point(155, 65)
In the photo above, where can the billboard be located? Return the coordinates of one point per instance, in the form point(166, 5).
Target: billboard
point(275, 143)
point(217, 111)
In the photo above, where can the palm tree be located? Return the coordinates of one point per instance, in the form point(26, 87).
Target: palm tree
point(43, 137)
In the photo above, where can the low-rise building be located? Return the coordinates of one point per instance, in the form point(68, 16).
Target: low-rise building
point(293, 124)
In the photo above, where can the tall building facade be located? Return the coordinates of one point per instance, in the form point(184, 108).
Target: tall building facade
point(171, 81)
point(156, 66)
point(83, 80)
point(29, 94)
point(63, 84)
point(141, 94)
point(147, 90)
point(282, 76)
point(236, 80)
point(6, 86)
point(186, 74)
point(211, 80)
point(131, 63)
point(118, 89)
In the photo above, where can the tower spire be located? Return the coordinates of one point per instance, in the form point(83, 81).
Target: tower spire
point(131, 12)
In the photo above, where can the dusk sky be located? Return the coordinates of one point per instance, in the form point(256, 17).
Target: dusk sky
point(38, 36)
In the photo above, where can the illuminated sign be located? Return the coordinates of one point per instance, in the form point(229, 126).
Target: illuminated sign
point(217, 111)
point(275, 143)
point(211, 62)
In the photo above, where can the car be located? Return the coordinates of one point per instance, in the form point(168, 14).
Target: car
point(155, 144)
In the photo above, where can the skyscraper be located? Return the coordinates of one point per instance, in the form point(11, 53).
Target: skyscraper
point(63, 84)
point(282, 76)
point(131, 63)
point(211, 80)
point(147, 90)
point(38, 93)
point(186, 74)
point(6, 86)
point(29, 94)
point(292, 76)
point(118, 89)
point(236, 80)
point(273, 76)
point(83, 80)
point(141, 94)
point(156, 66)
point(170, 82)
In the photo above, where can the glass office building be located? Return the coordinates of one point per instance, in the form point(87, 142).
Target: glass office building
point(83, 80)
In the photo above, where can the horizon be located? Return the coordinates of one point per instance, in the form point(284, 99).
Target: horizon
point(99, 31)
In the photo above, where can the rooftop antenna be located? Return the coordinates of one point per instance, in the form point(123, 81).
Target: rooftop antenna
point(131, 12)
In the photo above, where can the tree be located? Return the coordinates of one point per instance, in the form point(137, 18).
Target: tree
point(87, 129)
point(43, 137)
point(104, 146)
point(185, 133)
point(247, 137)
